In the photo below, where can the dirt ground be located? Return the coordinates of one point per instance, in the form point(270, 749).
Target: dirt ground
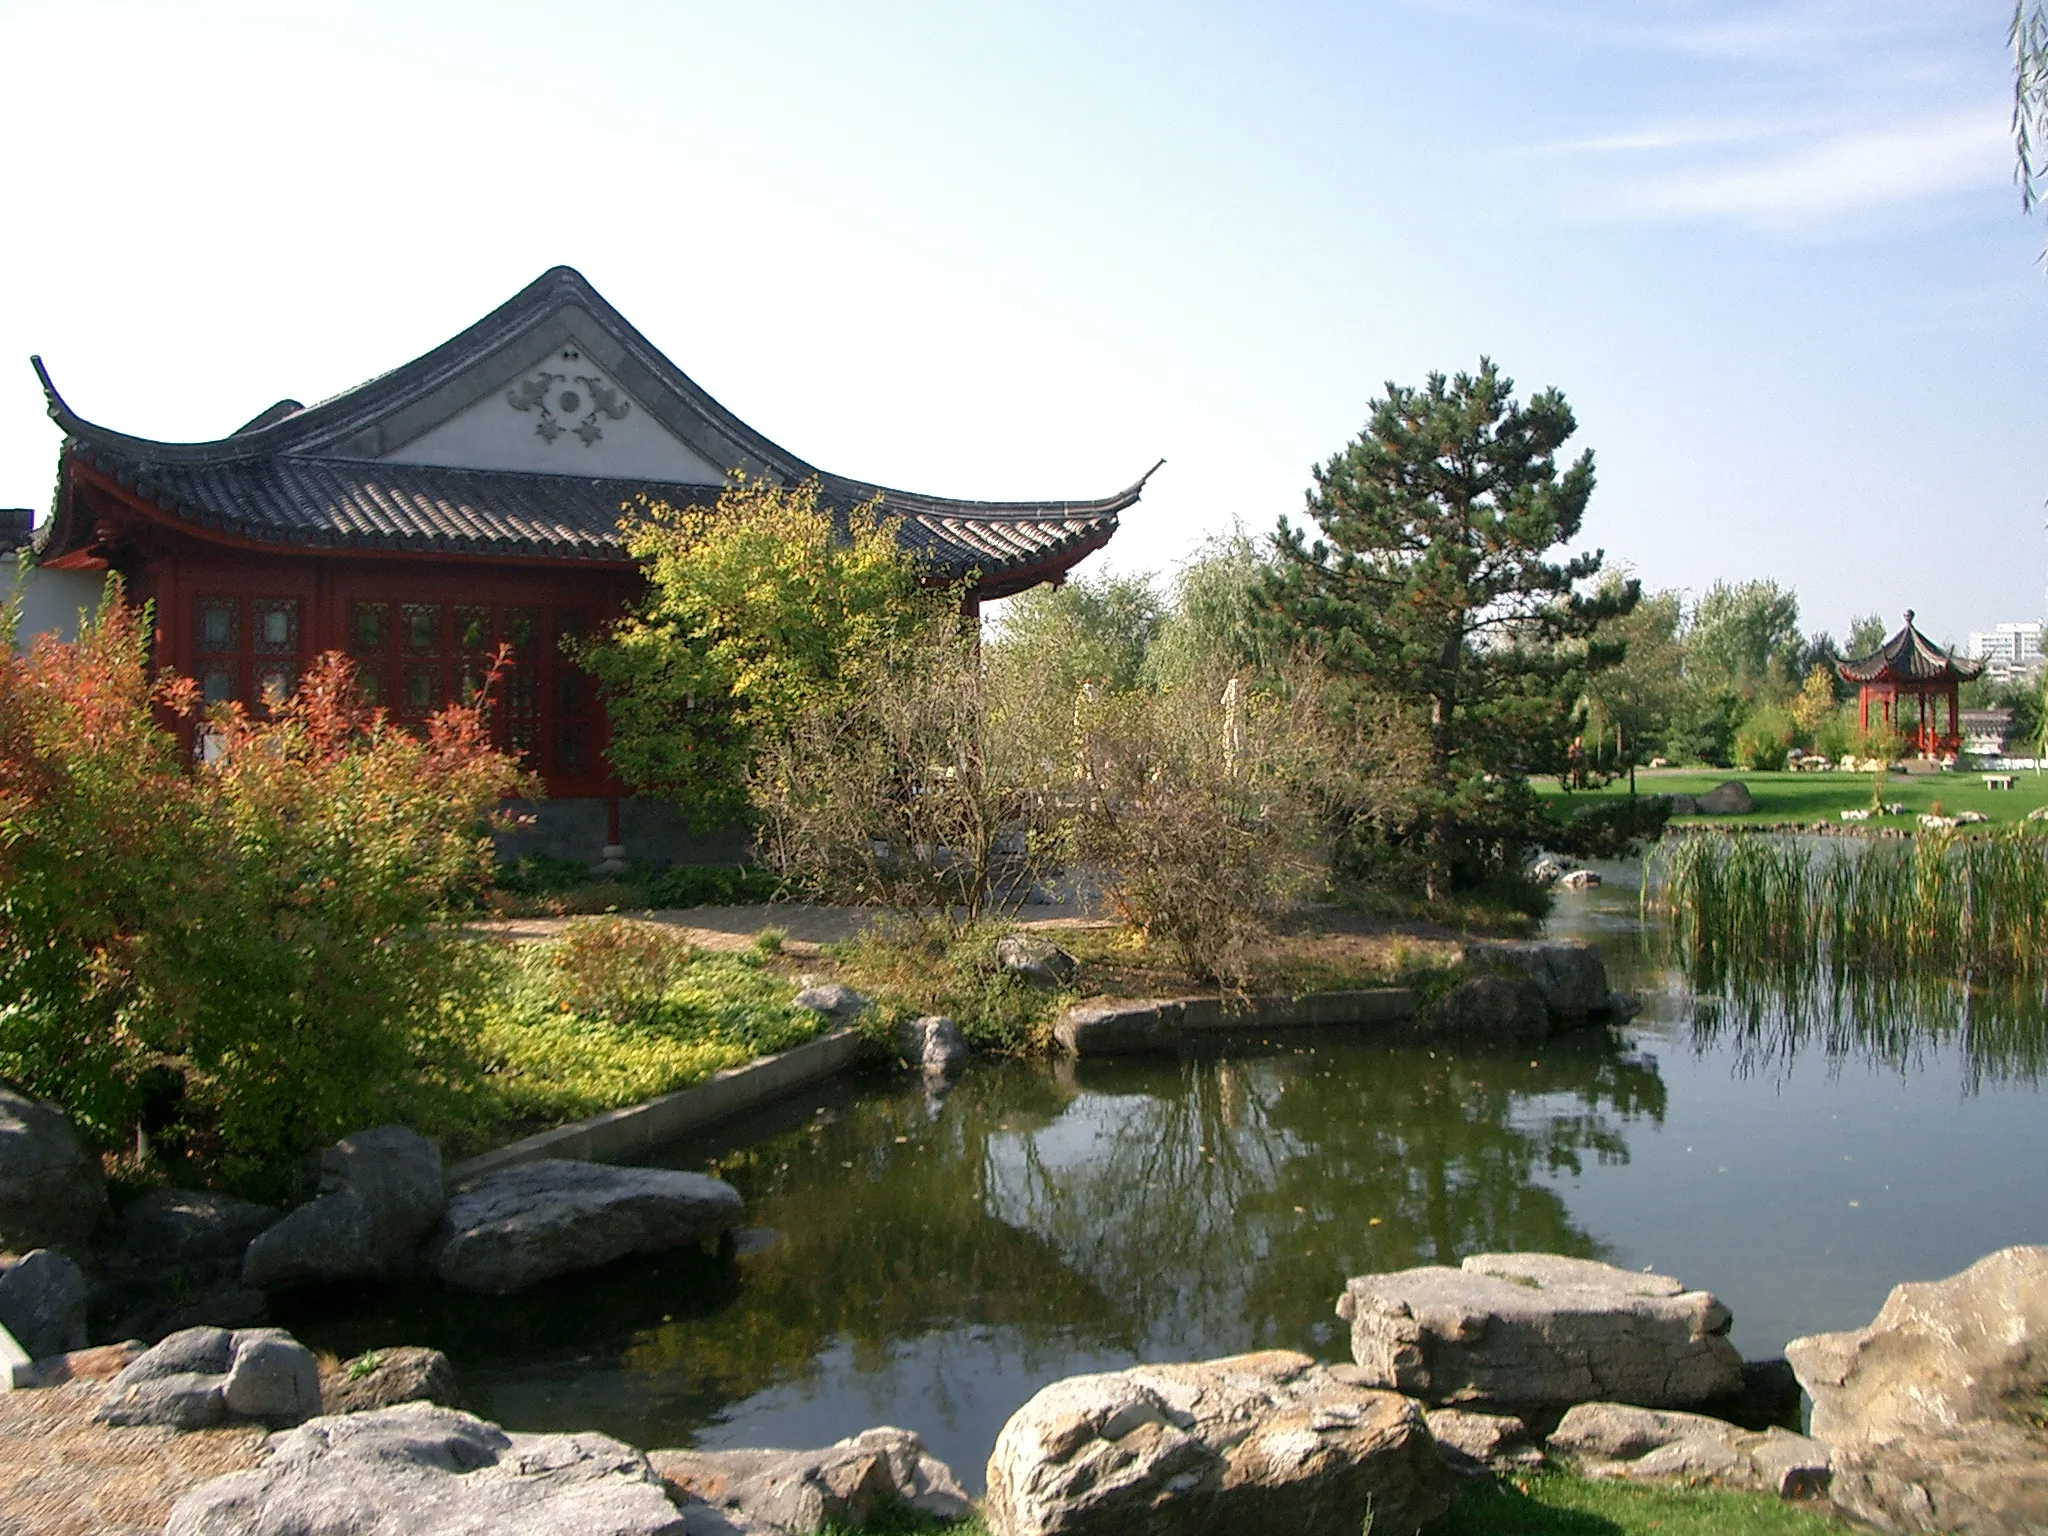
point(63, 1475)
point(1320, 945)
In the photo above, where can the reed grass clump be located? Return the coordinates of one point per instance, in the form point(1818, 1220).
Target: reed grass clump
point(1963, 907)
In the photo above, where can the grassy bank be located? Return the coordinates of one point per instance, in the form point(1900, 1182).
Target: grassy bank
point(609, 1014)
point(1548, 1504)
point(1822, 797)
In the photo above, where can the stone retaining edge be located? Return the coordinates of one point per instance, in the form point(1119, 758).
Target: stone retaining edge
point(620, 1134)
point(16, 1369)
point(1124, 1026)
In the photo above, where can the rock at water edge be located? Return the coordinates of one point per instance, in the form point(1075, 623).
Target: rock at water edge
point(52, 1193)
point(384, 1378)
point(1489, 1009)
point(843, 1484)
point(1528, 1330)
point(427, 1470)
point(521, 1225)
point(1262, 1442)
point(1571, 976)
point(1935, 1411)
point(933, 1044)
point(380, 1196)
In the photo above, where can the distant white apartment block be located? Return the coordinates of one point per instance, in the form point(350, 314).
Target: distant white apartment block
point(2008, 650)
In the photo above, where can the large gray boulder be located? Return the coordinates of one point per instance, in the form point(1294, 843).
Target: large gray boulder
point(1935, 1412)
point(424, 1470)
point(801, 1491)
point(42, 1302)
point(1532, 1330)
point(1726, 799)
point(1261, 1442)
point(1651, 1444)
point(1570, 976)
point(200, 1377)
point(380, 1195)
point(52, 1193)
point(524, 1224)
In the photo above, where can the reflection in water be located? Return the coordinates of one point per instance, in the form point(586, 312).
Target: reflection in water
point(933, 1260)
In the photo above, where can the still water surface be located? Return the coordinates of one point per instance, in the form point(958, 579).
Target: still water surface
point(932, 1261)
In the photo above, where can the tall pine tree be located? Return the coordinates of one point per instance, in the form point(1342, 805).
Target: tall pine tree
point(1433, 585)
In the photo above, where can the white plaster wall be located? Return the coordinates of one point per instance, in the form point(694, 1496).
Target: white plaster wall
point(495, 434)
point(52, 601)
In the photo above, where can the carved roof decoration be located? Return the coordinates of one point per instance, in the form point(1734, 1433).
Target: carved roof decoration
point(379, 466)
point(1910, 657)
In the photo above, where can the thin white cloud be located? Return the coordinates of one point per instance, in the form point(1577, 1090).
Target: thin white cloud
point(1822, 180)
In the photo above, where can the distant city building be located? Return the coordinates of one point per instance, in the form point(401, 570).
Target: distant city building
point(2008, 650)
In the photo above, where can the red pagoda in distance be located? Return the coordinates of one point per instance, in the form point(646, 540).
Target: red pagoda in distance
point(1910, 666)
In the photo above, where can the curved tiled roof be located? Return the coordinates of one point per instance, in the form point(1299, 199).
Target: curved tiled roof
point(1909, 657)
point(317, 477)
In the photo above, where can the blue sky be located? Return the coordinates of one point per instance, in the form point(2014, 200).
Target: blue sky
point(1771, 252)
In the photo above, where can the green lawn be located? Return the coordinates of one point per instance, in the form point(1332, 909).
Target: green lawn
point(1820, 796)
point(1548, 1504)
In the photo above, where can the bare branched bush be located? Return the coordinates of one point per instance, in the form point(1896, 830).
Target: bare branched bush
point(914, 790)
point(1210, 808)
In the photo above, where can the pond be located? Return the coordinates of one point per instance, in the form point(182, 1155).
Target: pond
point(930, 1261)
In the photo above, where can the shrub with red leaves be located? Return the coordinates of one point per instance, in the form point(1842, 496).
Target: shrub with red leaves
point(241, 959)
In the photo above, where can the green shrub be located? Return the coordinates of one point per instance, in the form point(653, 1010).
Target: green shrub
point(913, 968)
point(1608, 829)
point(245, 958)
point(540, 874)
point(1764, 740)
point(702, 885)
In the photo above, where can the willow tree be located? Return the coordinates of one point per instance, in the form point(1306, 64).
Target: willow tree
point(1433, 584)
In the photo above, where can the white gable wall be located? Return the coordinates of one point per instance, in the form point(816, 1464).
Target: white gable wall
point(562, 416)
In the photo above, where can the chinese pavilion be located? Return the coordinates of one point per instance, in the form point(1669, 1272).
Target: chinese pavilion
point(1910, 666)
point(466, 500)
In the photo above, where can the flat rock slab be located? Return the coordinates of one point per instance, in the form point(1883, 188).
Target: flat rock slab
point(1261, 1442)
point(1532, 1330)
point(528, 1223)
point(843, 1484)
point(431, 1471)
point(1130, 1026)
point(1935, 1411)
point(1649, 1444)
